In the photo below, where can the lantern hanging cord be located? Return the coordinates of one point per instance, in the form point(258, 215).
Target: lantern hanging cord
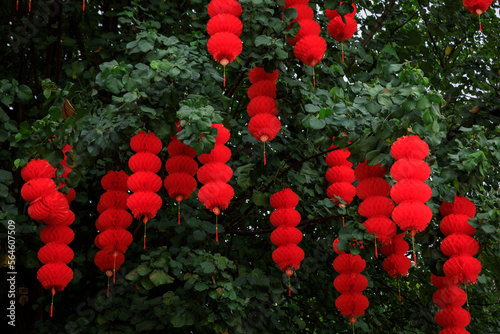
point(216, 228)
point(342, 51)
point(352, 324)
point(145, 220)
point(114, 266)
point(376, 252)
point(480, 28)
point(289, 287)
point(264, 153)
point(108, 288)
point(466, 296)
point(414, 254)
point(179, 214)
point(314, 79)
point(224, 75)
point(399, 289)
point(343, 221)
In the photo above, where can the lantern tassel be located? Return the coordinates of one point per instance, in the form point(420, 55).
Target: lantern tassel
point(480, 28)
point(342, 51)
point(52, 302)
point(17, 5)
point(289, 287)
point(352, 324)
point(343, 222)
point(83, 6)
point(29, 8)
point(399, 289)
point(466, 296)
point(179, 214)
point(376, 252)
point(264, 153)
point(145, 220)
point(217, 228)
point(114, 266)
point(414, 254)
point(108, 287)
point(314, 79)
point(224, 75)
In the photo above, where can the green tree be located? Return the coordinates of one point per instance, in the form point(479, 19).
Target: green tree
point(420, 67)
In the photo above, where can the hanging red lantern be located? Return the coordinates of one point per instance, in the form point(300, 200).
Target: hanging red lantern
point(350, 283)
point(216, 194)
point(307, 27)
point(411, 214)
point(144, 202)
point(340, 175)
point(70, 196)
point(372, 189)
point(396, 264)
point(51, 207)
point(341, 29)
point(477, 7)
point(224, 27)
point(264, 125)
point(331, 14)
point(286, 236)
point(113, 239)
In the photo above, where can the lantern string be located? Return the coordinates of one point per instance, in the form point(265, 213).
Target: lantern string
point(414, 254)
point(108, 287)
point(17, 5)
point(83, 6)
point(343, 222)
point(29, 9)
point(480, 28)
point(114, 266)
point(179, 214)
point(352, 324)
point(52, 302)
point(342, 51)
point(399, 289)
point(466, 296)
point(289, 287)
point(376, 252)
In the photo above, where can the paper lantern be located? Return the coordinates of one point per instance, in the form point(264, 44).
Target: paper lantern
point(144, 161)
point(262, 105)
point(307, 27)
point(331, 14)
point(113, 218)
point(260, 74)
point(144, 202)
point(224, 23)
point(113, 199)
point(232, 7)
point(341, 31)
point(57, 233)
point(224, 47)
point(340, 175)
point(38, 168)
point(286, 236)
point(262, 88)
point(54, 252)
point(477, 7)
point(36, 188)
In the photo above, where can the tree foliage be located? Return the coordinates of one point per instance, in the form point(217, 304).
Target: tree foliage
point(420, 67)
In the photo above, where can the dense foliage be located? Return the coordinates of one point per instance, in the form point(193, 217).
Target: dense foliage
point(420, 67)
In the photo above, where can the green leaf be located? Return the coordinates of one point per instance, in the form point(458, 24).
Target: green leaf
point(207, 267)
point(317, 123)
point(259, 198)
point(263, 40)
point(409, 104)
point(423, 102)
point(489, 229)
point(24, 93)
point(160, 277)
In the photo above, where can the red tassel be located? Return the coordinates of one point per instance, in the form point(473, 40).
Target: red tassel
point(83, 5)
point(399, 290)
point(114, 266)
point(179, 214)
point(224, 76)
point(52, 303)
point(145, 220)
point(343, 222)
point(414, 255)
point(29, 9)
point(314, 79)
point(108, 287)
point(17, 5)
point(376, 252)
point(264, 153)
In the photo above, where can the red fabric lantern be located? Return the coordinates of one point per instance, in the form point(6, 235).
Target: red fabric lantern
point(217, 7)
point(144, 161)
point(477, 7)
point(113, 199)
point(410, 169)
point(144, 202)
point(263, 125)
point(57, 233)
point(180, 185)
point(224, 23)
point(38, 168)
point(307, 27)
point(224, 47)
point(456, 224)
point(113, 218)
point(71, 195)
point(107, 260)
point(341, 31)
point(215, 193)
point(286, 236)
point(459, 244)
point(54, 252)
point(36, 188)
point(454, 317)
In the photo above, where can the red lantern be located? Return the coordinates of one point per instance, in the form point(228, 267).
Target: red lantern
point(350, 283)
point(342, 176)
point(144, 202)
point(224, 27)
point(331, 14)
point(263, 125)
point(70, 196)
point(477, 7)
point(341, 29)
point(215, 193)
point(374, 190)
point(113, 220)
point(51, 207)
point(286, 236)
point(411, 214)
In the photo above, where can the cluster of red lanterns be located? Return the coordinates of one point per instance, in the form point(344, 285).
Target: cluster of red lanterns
point(410, 191)
point(309, 47)
point(51, 207)
point(216, 193)
point(477, 7)
point(340, 175)
point(350, 283)
point(181, 167)
point(264, 125)
point(224, 28)
point(450, 298)
point(113, 239)
point(374, 191)
point(286, 236)
point(144, 183)
point(459, 245)
point(339, 30)
point(70, 196)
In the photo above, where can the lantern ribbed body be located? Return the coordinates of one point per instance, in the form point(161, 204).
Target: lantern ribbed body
point(460, 268)
point(144, 202)
point(411, 214)
point(395, 249)
point(340, 176)
point(459, 245)
point(52, 208)
point(224, 28)
point(181, 167)
point(70, 196)
point(216, 193)
point(309, 47)
point(286, 236)
point(341, 31)
point(350, 283)
point(113, 239)
point(371, 185)
point(264, 124)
